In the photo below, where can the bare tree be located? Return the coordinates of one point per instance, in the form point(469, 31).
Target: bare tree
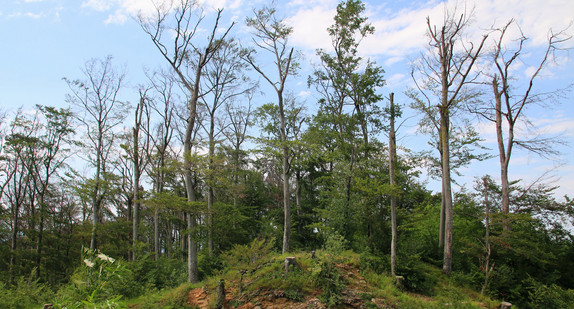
point(138, 157)
point(173, 30)
point(271, 36)
point(100, 111)
point(223, 82)
point(446, 70)
point(239, 121)
point(163, 103)
point(511, 101)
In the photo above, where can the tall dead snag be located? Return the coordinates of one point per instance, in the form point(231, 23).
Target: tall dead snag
point(446, 71)
point(172, 29)
point(511, 101)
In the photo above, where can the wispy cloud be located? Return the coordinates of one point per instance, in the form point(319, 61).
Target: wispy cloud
point(26, 15)
point(98, 5)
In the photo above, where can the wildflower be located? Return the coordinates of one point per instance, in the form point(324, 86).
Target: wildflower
point(104, 257)
point(89, 263)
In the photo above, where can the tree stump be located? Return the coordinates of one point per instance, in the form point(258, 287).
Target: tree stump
point(220, 299)
point(400, 282)
point(290, 261)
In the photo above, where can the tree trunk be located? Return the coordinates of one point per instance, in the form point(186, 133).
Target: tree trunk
point(447, 197)
point(136, 188)
point(285, 172)
point(503, 152)
point(486, 237)
point(187, 144)
point(156, 233)
point(210, 184)
point(95, 197)
point(392, 160)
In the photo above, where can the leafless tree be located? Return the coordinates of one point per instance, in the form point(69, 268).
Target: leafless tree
point(173, 29)
point(511, 100)
point(446, 71)
point(99, 111)
point(224, 81)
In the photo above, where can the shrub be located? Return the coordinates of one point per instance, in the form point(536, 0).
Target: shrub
point(327, 277)
point(248, 256)
point(539, 295)
point(26, 293)
point(417, 278)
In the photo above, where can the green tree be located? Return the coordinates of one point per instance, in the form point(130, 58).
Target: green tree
point(348, 87)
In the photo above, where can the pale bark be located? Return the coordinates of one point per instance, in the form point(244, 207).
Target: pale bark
point(392, 162)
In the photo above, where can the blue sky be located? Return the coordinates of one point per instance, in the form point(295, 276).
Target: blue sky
point(46, 40)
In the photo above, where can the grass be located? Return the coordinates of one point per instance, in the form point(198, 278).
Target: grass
point(266, 279)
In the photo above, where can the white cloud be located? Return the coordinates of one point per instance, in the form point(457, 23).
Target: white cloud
point(117, 18)
point(310, 27)
point(98, 5)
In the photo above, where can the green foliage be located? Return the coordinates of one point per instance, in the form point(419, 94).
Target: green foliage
point(99, 281)
point(27, 292)
point(335, 244)
point(328, 278)
point(148, 274)
point(208, 264)
point(417, 275)
point(248, 256)
point(539, 295)
point(373, 263)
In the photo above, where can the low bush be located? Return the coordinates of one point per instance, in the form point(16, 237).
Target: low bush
point(25, 293)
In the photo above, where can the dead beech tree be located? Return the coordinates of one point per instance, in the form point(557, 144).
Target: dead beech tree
point(172, 29)
point(511, 100)
point(442, 76)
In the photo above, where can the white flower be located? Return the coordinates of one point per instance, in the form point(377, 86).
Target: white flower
point(89, 263)
point(104, 257)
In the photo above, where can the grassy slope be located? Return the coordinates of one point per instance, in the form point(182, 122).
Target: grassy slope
point(320, 282)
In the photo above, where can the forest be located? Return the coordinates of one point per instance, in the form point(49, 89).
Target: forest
point(218, 163)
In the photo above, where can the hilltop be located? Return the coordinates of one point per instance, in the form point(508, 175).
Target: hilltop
point(319, 280)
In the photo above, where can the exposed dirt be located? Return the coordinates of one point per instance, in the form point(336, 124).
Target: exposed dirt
point(354, 296)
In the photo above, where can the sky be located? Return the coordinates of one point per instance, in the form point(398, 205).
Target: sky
point(44, 41)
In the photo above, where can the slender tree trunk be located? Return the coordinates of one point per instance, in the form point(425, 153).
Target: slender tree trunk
point(447, 197)
point(486, 237)
point(156, 233)
point(285, 172)
point(210, 185)
point(136, 193)
point(392, 160)
point(95, 198)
